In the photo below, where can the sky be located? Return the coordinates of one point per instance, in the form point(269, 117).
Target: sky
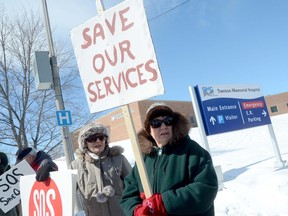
point(252, 179)
point(214, 42)
point(197, 41)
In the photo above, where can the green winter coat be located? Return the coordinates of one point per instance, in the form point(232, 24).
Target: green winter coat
point(182, 171)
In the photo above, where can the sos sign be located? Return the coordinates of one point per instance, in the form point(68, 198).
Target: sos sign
point(45, 199)
point(9, 185)
point(54, 197)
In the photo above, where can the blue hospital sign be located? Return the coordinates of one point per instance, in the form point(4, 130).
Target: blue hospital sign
point(231, 107)
point(64, 118)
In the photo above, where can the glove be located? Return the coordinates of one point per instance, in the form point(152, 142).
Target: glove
point(151, 206)
point(138, 211)
point(43, 172)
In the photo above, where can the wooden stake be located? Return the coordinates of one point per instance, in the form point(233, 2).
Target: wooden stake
point(137, 151)
point(132, 135)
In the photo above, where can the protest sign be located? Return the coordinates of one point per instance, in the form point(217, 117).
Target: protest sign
point(55, 196)
point(116, 57)
point(9, 186)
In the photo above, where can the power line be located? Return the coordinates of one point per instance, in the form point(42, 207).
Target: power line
point(171, 9)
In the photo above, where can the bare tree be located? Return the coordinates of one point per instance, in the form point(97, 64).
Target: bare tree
point(27, 116)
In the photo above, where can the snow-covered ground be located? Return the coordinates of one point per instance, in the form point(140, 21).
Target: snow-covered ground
point(253, 183)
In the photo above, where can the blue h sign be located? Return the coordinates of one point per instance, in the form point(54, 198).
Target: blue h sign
point(64, 118)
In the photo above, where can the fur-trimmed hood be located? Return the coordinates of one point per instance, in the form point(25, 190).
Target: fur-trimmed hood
point(181, 129)
point(90, 129)
point(109, 151)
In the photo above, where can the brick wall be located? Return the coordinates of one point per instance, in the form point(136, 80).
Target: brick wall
point(116, 123)
point(277, 102)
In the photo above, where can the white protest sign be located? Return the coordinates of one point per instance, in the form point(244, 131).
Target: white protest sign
point(56, 196)
point(9, 185)
point(116, 57)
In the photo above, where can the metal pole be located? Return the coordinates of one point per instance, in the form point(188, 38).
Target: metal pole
point(66, 139)
point(280, 163)
point(199, 119)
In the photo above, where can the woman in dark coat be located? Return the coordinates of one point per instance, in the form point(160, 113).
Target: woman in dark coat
point(180, 171)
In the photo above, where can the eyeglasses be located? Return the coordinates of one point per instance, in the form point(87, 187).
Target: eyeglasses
point(94, 138)
point(156, 123)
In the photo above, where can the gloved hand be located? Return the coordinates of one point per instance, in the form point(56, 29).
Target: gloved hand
point(43, 172)
point(151, 206)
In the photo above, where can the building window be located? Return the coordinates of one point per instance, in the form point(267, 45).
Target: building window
point(274, 109)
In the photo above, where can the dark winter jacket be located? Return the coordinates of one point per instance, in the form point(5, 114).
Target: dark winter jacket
point(95, 174)
point(11, 212)
point(43, 159)
point(182, 171)
point(4, 166)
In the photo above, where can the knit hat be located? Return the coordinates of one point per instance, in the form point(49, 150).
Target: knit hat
point(89, 130)
point(156, 110)
point(3, 162)
point(23, 153)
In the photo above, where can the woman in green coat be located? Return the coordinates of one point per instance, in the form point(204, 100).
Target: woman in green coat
point(180, 171)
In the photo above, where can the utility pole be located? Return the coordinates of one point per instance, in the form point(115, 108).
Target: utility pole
point(66, 139)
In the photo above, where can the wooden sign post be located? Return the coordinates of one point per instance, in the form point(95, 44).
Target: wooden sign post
point(137, 151)
point(118, 65)
point(132, 135)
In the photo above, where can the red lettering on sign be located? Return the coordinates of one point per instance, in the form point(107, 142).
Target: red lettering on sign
point(87, 38)
point(99, 29)
point(99, 60)
point(252, 105)
point(110, 26)
point(124, 19)
point(45, 199)
point(130, 78)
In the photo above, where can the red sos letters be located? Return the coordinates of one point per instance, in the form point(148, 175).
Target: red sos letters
point(54, 197)
point(45, 199)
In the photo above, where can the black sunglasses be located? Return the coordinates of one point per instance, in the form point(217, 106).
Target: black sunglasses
point(94, 138)
point(156, 123)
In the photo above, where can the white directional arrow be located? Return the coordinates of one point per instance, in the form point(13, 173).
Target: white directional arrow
point(212, 120)
point(264, 113)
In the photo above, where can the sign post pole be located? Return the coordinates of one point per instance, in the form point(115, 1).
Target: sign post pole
point(66, 139)
point(132, 135)
point(137, 152)
point(280, 162)
point(199, 118)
